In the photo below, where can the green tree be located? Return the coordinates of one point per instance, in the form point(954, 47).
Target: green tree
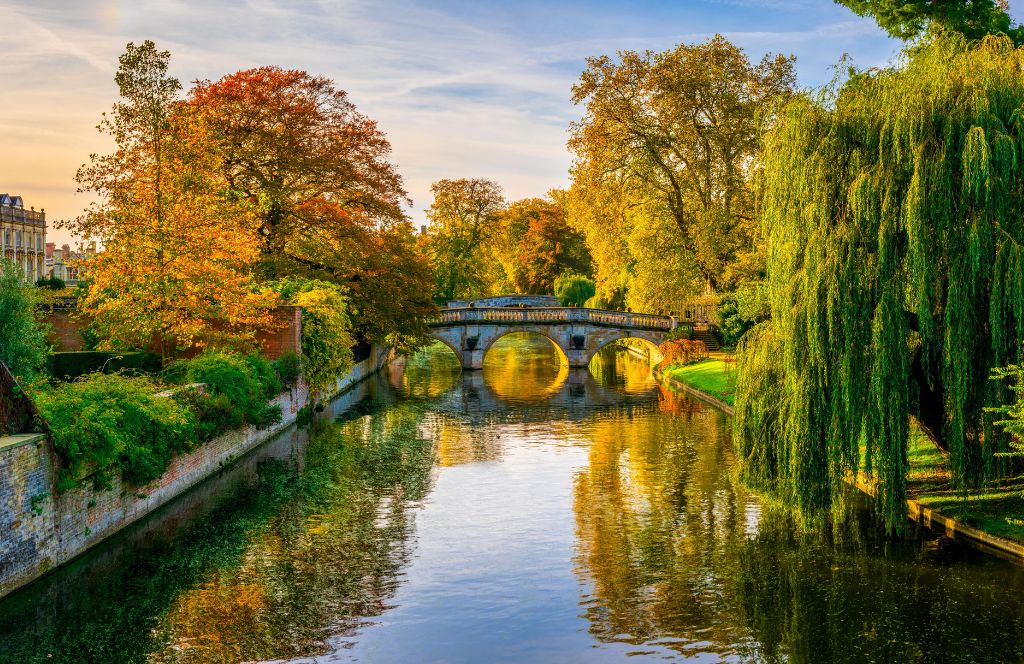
point(327, 336)
point(908, 19)
point(463, 218)
point(22, 342)
point(574, 289)
point(894, 212)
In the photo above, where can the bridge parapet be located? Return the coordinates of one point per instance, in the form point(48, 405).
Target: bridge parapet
point(578, 333)
point(553, 315)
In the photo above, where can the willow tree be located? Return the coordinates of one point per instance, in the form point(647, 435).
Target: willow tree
point(896, 274)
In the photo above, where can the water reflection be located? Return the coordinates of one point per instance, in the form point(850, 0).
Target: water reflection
point(439, 515)
point(523, 368)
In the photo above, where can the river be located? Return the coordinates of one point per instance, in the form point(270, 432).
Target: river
point(523, 513)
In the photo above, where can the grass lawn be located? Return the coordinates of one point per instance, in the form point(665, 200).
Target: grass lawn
point(997, 509)
point(715, 376)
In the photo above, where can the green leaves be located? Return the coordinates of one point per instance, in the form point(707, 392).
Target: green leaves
point(892, 211)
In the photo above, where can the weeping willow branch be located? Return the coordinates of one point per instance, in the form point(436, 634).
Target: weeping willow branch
point(893, 209)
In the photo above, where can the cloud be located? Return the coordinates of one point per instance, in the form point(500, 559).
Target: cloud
point(462, 89)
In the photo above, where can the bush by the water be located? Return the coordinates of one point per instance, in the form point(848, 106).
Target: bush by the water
point(682, 351)
point(237, 389)
point(103, 423)
point(107, 423)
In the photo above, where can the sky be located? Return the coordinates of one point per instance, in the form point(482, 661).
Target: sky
point(461, 88)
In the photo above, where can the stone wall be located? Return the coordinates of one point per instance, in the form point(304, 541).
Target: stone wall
point(41, 528)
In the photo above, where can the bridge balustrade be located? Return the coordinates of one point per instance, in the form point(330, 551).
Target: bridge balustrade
point(544, 315)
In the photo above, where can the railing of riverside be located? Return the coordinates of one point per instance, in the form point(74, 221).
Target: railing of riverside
point(548, 315)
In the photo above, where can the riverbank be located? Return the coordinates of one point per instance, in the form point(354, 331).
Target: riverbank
point(990, 519)
point(42, 528)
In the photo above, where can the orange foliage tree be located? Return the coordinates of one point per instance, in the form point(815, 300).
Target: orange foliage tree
point(175, 268)
point(329, 203)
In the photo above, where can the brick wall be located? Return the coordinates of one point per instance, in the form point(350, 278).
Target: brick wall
point(67, 336)
point(66, 332)
point(41, 528)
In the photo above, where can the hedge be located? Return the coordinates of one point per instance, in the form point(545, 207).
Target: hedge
point(71, 365)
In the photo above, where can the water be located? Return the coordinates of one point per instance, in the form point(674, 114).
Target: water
point(525, 513)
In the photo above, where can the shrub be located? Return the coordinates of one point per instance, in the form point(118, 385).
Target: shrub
point(574, 289)
point(246, 382)
point(740, 311)
point(682, 351)
point(53, 283)
point(104, 422)
point(71, 365)
point(22, 342)
point(289, 368)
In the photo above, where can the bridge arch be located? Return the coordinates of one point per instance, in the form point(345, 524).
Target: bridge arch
point(504, 332)
point(651, 341)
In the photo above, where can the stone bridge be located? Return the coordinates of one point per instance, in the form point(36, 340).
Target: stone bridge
point(578, 333)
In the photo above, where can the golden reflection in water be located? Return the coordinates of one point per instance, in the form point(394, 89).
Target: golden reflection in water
point(328, 553)
point(618, 367)
point(458, 444)
point(658, 525)
point(523, 367)
point(429, 373)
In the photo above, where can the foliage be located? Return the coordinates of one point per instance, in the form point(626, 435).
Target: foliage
point(895, 275)
point(681, 351)
point(907, 19)
point(740, 310)
point(533, 245)
point(463, 217)
point(673, 139)
point(177, 251)
point(52, 283)
point(1012, 413)
point(22, 342)
point(327, 337)
point(104, 422)
point(329, 202)
point(70, 365)
point(238, 387)
point(288, 368)
point(574, 289)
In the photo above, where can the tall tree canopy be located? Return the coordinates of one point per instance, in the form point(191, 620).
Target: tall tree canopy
point(908, 19)
point(463, 218)
point(895, 213)
point(328, 198)
point(178, 250)
point(678, 133)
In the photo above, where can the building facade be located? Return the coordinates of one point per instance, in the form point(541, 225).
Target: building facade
point(63, 263)
point(23, 236)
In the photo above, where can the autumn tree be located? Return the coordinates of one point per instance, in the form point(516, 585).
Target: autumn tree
point(329, 202)
point(464, 216)
point(909, 19)
point(535, 244)
point(177, 250)
point(677, 133)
